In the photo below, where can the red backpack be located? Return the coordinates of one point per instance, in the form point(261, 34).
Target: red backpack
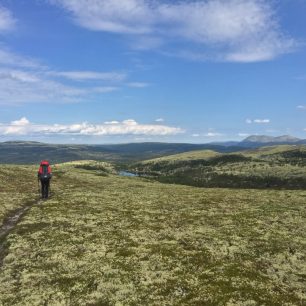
point(44, 171)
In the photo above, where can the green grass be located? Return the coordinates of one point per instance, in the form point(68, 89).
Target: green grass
point(109, 240)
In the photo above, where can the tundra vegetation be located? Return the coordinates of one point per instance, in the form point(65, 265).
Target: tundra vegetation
point(282, 166)
point(102, 239)
point(18, 187)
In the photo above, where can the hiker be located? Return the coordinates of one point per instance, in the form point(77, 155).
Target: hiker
point(44, 175)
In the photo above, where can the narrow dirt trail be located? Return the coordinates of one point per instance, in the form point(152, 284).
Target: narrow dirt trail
point(10, 223)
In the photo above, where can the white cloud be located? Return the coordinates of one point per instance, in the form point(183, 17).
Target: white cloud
point(18, 87)
point(195, 135)
point(9, 58)
point(18, 75)
point(212, 134)
point(35, 83)
point(7, 21)
point(126, 127)
point(159, 120)
point(128, 16)
point(261, 121)
point(27, 80)
point(258, 121)
point(16, 127)
point(243, 134)
point(21, 122)
point(90, 75)
point(112, 122)
point(301, 107)
point(232, 30)
point(138, 85)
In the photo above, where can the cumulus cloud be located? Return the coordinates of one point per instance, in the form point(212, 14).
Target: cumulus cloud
point(21, 122)
point(232, 30)
point(127, 127)
point(16, 127)
point(258, 121)
point(7, 21)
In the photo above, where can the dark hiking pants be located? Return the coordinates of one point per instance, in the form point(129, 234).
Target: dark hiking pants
point(45, 188)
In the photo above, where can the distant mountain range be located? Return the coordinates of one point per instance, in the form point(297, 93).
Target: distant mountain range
point(255, 141)
point(260, 140)
point(21, 152)
point(270, 139)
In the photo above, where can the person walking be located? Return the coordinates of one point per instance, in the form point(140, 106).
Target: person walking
point(44, 175)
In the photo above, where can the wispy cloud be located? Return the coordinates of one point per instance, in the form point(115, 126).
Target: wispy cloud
point(20, 86)
point(11, 59)
point(137, 84)
point(24, 80)
point(258, 121)
point(90, 75)
point(159, 120)
point(232, 30)
point(7, 21)
point(301, 107)
point(24, 127)
point(28, 80)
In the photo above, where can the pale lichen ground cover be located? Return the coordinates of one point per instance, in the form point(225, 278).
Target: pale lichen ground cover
point(18, 185)
point(108, 240)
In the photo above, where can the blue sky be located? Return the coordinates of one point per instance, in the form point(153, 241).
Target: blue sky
point(106, 71)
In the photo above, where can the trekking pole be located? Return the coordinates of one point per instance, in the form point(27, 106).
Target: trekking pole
point(38, 186)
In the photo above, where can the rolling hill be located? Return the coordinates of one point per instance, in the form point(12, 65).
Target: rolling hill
point(282, 166)
point(19, 152)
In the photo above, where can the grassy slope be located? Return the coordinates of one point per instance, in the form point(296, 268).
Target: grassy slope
point(106, 240)
point(281, 166)
point(191, 155)
point(18, 185)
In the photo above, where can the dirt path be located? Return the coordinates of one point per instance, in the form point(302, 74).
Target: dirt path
point(9, 224)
